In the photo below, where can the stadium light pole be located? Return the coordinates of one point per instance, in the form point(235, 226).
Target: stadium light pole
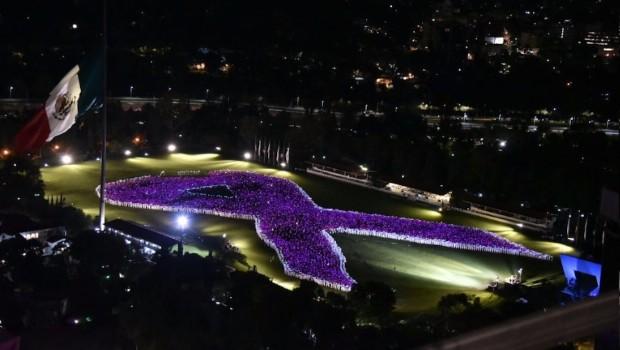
point(104, 119)
point(182, 222)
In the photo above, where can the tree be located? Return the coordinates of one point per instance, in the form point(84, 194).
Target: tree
point(453, 303)
point(373, 300)
point(21, 186)
point(94, 250)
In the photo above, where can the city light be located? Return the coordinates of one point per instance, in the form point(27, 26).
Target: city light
point(127, 153)
point(502, 143)
point(6, 152)
point(247, 155)
point(66, 159)
point(172, 147)
point(182, 222)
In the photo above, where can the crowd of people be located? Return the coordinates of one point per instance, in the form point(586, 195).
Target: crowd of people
point(292, 224)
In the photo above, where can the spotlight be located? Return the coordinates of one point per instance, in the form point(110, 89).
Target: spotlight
point(66, 159)
point(182, 222)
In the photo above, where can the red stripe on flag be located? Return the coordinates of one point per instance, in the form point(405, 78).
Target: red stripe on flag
point(33, 135)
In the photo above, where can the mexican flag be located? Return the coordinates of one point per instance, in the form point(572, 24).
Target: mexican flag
point(54, 118)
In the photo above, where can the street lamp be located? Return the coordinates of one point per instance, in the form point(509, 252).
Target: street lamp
point(283, 165)
point(247, 155)
point(172, 147)
point(127, 153)
point(182, 222)
point(131, 91)
point(66, 159)
point(207, 95)
point(11, 88)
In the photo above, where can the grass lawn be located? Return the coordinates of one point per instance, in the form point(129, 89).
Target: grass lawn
point(420, 275)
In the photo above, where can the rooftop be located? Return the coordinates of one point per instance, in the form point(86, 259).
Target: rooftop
point(141, 232)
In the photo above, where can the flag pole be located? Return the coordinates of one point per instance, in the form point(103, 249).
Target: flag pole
point(104, 110)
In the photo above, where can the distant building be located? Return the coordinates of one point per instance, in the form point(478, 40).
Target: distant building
point(608, 238)
point(608, 52)
point(52, 239)
point(597, 38)
point(494, 40)
point(149, 240)
point(565, 31)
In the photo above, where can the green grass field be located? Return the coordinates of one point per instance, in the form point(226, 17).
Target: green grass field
point(420, 275)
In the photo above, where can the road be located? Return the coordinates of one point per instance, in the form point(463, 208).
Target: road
point(7, 104)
